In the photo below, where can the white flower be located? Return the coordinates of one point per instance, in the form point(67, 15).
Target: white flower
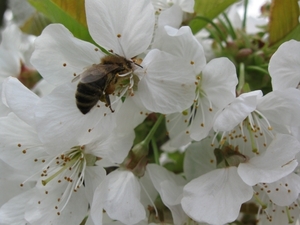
point(119, 195)
point(170, 13)
point(163, 84)
point(185, 5)
point(21, 10)
point(253, 24)
point(284, 66)
point(252, 120)
point(10, 180)
point(216, 79)
point(278, 215)
point(284, 70)
point(59, 172)
point(283, 192)
point(13, 60)
point(215, 197)
point(20, 100)
point(124, 196)
point(125, 35)
point(170, 188)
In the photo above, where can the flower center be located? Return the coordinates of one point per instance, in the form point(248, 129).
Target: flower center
point(252, 135)
point(229, 156)
point(68, 167)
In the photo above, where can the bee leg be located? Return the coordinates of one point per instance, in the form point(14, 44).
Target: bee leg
point(111, 109)
point(108, 102)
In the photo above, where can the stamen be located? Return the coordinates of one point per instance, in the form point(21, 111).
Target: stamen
point(202, 111)
point(131, 81)
point(125, 74)
point(289, 215)
point(205, 95)
point(251, 122)
point(260, 202)
point(269, 125)
point(242, 128)
point(156, 212)
point(261, 129)
point(214, 138)
point(222, 140)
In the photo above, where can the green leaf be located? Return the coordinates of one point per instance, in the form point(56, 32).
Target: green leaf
point(70, 13)
point(209, 9)
point(176, 164)
point(35, 24)
point(294, 34)
point(283, 19)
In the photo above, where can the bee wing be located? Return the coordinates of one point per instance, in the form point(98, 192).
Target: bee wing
point(96, 72)
point(76, 78)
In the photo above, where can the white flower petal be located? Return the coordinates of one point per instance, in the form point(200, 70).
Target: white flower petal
point(170, 188)
point(133, 107)
point(183, 44)
point(177, 141)
point(172, 196)
point(281, 106)
point(159, 174)
point(59, 120)
point(177, 126)
point(277, 215)
point(20, 100)
point(10, 180)
point(236, 111)
point(276, 162)
point(134, 25)
point(74, 213)
point(49, 207)
point(4, 110)
point(58, 55)
point(219, 79)
point(96, 212)
point(167, 85)
point(171, 16)
point(284, 191)
point(11, 37)
point(114, 145)
point(120, 196)
point(10, 60)
point(19, 144)
point(203, 120)
point(43, 88)
point(284, 66)
point(186, 5)
point(93, 176)
point(199, 159)
point(148, 191)
point(216, 197)
point(10, 63)
point(13, 211)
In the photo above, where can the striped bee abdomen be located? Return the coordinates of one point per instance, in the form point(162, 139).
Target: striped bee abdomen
point(87, 95)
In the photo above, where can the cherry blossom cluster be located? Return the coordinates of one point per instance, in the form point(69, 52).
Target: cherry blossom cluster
point(60, 166)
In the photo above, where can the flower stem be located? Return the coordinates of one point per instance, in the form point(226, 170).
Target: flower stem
point(241, 78)
point(155, 150)
point(245, 15)
point(153, 130)
point(230, 27)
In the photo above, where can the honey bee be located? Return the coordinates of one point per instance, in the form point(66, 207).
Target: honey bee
point(100, 80)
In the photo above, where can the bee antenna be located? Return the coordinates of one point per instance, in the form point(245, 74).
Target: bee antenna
point(137, 64)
